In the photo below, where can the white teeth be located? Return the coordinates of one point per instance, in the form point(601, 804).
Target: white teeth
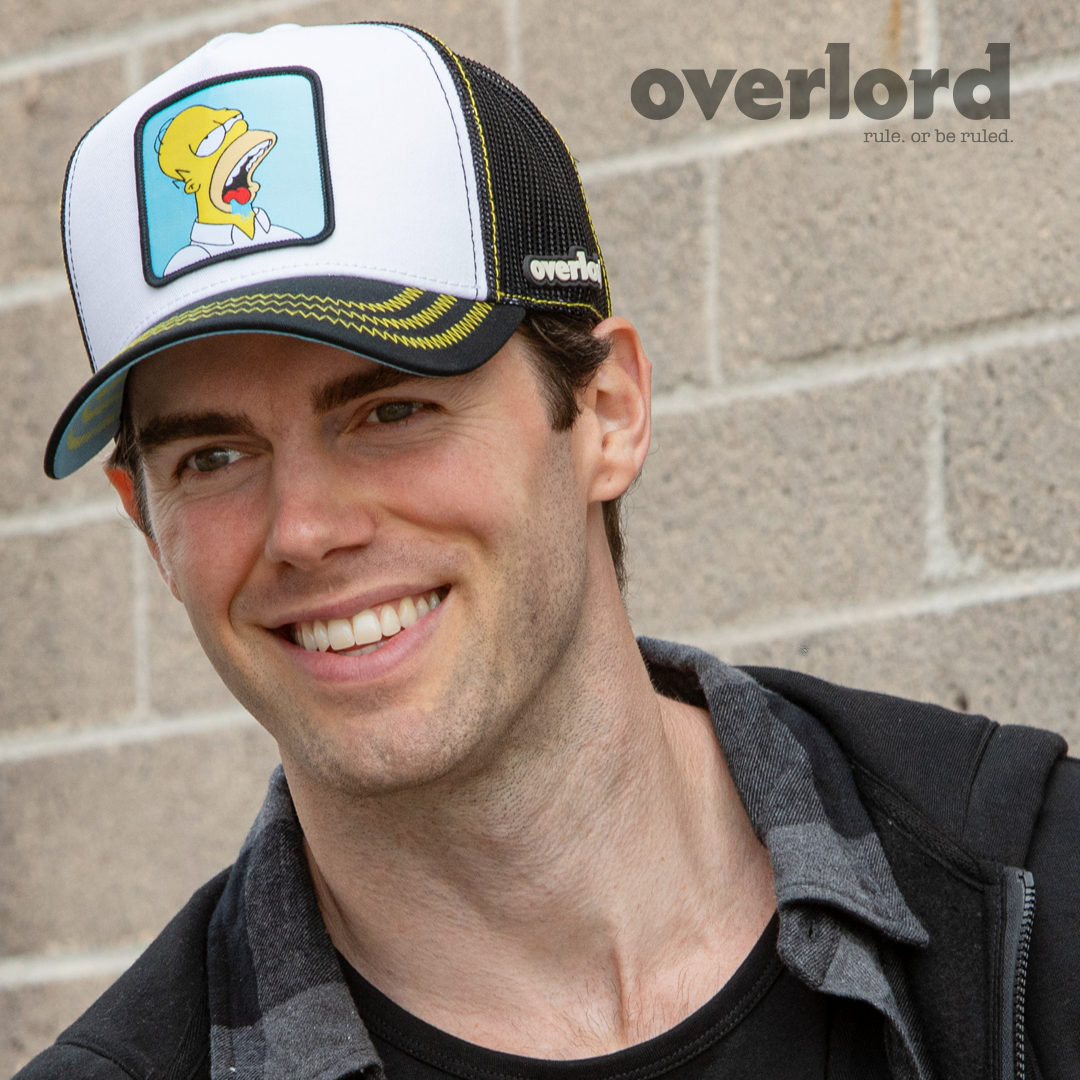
point(388, 620)
point(339, 631)
point(366, 627)
point(407, 613)
point(246, 160)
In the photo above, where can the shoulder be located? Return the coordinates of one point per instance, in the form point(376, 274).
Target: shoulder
point(980, 784)
point(154, 1020)
point(953, 797)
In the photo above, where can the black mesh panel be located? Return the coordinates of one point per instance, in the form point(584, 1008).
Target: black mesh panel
point(539, 207)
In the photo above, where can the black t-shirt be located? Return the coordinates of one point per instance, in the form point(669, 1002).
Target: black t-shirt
point(764, 1023)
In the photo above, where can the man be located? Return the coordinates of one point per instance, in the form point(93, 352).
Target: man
point(380, 466)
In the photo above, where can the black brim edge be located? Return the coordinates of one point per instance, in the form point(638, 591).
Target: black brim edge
point(489, 327)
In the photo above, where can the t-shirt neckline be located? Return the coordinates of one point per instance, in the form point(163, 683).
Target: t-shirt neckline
point(643, 1061)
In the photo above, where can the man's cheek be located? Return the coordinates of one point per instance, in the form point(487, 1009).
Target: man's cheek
point(205, 556)
point(457, 491)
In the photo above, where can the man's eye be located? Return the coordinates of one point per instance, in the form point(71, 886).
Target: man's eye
point(216, 457)
point(392, 411)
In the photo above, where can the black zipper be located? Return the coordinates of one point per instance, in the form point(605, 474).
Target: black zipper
point(1019, 890)
point(1020, 986)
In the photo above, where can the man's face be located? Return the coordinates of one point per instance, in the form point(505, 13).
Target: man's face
point(289, 484)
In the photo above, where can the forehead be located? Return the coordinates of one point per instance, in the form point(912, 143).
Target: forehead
point(227, 365)
point(249, 371)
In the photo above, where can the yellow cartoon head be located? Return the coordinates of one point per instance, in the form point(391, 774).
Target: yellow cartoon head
point(214, 154)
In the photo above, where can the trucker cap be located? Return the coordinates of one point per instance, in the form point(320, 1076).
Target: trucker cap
point(357, 185)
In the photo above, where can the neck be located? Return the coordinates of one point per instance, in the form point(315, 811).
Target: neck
point(587, 893)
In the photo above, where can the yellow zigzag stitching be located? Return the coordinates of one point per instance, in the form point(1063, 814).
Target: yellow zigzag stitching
point(395, 303)
point(349, 314)
point(311, 307)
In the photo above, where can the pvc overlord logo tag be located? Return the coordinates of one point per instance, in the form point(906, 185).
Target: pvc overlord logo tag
point(229, 167)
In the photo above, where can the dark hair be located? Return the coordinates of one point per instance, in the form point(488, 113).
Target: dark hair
point(566, 356)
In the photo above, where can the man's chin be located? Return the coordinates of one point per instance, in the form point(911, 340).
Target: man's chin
point(387, 751)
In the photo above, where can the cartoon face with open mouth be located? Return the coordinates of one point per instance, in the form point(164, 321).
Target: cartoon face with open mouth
point(214, 154)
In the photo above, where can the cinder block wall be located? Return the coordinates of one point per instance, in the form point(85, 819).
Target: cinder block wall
point(867, 451)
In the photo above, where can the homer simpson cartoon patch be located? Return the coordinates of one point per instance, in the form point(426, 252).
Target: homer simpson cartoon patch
point(229, 166)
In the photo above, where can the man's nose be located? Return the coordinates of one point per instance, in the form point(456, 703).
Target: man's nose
point(317, 510)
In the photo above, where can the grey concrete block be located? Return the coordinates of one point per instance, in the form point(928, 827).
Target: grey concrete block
point(32, 1017)
point(779, 504)
point(182, 680)
point(838, 244)
point(43, 363)
point(102, 848)
point(1015, 662)
point(65, 639)
point(37, 25)
point(651, 230)
point(581, 59)
point(42, 119)
point(475, 30)
point(1013, 424)
point(1034, 28)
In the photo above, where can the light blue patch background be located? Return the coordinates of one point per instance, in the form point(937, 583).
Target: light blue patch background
point(291, 190)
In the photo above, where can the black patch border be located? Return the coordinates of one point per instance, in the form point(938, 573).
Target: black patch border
point(324, 172)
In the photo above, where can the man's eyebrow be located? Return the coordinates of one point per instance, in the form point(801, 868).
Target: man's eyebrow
point(163, 430)
point(340, 392)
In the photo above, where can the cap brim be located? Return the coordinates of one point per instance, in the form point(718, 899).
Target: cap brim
point(425, 333)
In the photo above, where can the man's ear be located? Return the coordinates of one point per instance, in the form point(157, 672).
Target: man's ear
point(620, 398)
point(124, 485)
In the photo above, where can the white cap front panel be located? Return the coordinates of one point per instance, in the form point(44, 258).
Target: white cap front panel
point(402, 182)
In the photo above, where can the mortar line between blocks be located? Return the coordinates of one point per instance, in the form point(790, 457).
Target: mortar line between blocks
point(882, 363)
point(515, 63)
point(942, 560)
point(56, 519)
point(33, 289)
point(942, 601)
point(711, 299)
point(928, 34)
point(17, 972)
point(33, 745)
point(140, 623)
point(133, 69)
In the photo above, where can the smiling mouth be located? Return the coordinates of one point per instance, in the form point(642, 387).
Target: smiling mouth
point(366, 631)
point(238, 185)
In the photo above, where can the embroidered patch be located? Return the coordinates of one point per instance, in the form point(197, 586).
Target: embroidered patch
point(196, 157)
point(577, 266)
